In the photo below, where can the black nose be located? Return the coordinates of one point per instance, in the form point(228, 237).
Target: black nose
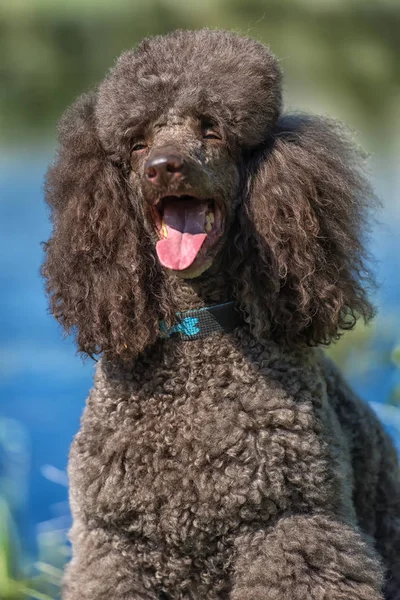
point(164, 168)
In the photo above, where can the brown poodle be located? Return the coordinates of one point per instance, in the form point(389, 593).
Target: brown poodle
point(205, 245)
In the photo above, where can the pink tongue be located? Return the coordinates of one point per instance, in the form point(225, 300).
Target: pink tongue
point(184, 220)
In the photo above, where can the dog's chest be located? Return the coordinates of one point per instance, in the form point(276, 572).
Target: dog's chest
point(190, 453)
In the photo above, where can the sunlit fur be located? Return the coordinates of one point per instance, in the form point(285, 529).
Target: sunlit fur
point(240, 466)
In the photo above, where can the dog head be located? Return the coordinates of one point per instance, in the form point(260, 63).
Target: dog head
point(179, 112)
point(180, 165)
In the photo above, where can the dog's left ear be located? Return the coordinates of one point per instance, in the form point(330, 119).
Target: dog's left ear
point(102, 277)
point(307, 210)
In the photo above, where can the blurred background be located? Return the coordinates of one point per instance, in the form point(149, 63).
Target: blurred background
point(340, 58)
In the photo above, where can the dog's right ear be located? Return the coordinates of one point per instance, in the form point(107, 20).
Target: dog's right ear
point(306, 219)
point(102, 278)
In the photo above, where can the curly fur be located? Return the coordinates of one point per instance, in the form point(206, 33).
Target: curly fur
point(238, 466)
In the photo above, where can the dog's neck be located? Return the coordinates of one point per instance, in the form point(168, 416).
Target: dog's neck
point(207, 290)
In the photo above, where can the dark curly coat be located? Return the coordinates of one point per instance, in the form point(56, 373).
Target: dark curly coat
point(239, 465)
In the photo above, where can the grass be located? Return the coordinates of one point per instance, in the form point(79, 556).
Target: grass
point(22, 578)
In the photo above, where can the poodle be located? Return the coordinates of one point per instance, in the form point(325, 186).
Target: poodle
point(206, 246)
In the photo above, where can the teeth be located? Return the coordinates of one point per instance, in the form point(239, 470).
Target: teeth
point(164, 229)
point(209, 222)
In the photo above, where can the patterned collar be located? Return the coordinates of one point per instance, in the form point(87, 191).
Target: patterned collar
point(202, 322)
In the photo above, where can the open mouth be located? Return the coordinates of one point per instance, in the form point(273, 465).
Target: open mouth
point(188, 227)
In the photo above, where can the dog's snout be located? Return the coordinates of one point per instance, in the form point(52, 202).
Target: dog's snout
point(164, 168)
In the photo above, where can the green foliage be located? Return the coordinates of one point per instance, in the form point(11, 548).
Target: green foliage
point(396, 356)
point(370, 347)
point(52, 51)
point(355, 350)
point(21, 576)
point(18, 579)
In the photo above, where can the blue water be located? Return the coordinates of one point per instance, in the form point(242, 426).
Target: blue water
point(43, 384)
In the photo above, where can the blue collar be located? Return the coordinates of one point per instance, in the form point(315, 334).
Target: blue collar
point(202, 322)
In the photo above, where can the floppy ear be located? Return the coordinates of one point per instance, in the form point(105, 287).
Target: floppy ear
point(307, 214)
point(102, 278)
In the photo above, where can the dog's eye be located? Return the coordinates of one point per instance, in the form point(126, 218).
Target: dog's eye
point(211, 134)
point(139, 146)
point(210, 130)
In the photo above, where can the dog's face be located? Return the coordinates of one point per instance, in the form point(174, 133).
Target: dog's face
point(187, 171)
point(180, 162)
point(179, 113)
